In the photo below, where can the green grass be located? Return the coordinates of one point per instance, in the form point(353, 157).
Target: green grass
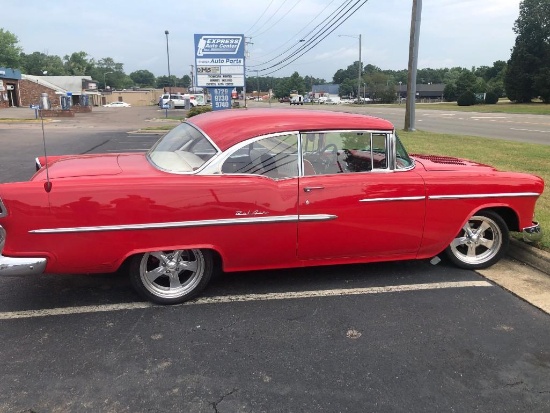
point(504, 155)
point(503, 106)
point(158, 127)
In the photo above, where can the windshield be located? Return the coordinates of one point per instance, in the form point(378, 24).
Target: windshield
point(403, 160)
point(184, 149)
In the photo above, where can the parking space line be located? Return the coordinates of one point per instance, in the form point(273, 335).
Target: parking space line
point(244, 298)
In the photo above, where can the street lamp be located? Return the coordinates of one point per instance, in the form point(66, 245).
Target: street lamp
point(166, 32)
point(400, 92)
point(104, 81)
point(360, 69)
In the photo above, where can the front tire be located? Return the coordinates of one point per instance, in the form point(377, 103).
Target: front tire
point(171, 277)
point(482, 242)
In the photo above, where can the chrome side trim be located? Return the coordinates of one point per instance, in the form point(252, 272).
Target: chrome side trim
point(473, 196)
point(190, 224)
point(404, 198)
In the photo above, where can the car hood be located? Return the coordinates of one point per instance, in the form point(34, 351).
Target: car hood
point(80, 166)
point(447, 163)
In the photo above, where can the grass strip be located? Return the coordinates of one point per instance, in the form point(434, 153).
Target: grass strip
point(503, 155)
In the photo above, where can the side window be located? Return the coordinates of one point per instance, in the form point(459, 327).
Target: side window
point(344, 152)
point(273, 156)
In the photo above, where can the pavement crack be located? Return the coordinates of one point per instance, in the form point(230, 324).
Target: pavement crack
point(215, 404)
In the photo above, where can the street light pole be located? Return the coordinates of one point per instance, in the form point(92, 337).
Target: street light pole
point(104, 81)
point(360, 68)
point(166, 32)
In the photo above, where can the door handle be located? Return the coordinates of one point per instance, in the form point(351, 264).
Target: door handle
point(311, 188)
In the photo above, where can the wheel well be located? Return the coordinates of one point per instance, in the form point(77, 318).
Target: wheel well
point(218, 262)
point(508, 215)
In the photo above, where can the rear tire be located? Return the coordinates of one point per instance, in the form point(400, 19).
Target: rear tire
point(481, 242)
point(171, 277)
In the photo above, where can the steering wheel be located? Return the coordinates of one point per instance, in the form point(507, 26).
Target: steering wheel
point(328, 156)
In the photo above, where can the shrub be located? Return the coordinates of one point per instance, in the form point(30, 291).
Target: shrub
point(197, 110)
point(468, 98)
point(491, 98)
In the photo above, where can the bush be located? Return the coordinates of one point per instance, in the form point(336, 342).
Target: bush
point(491, 98)
point(468, 98)
point(197, 110)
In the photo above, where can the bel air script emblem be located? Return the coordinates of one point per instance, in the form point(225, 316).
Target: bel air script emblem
point(250, 213)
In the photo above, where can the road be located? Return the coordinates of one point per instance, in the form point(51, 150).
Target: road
point(513, 127)
point(361, 338)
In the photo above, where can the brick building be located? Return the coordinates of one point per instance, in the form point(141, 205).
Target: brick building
point(31, 88)
point(9, 87)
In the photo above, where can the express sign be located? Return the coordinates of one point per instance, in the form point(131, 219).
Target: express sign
point(219, 60)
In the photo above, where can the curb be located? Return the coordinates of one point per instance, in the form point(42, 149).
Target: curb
point(529, 255)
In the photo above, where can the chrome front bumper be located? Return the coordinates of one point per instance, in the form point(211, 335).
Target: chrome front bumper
point(22, 266)
point(532, 233)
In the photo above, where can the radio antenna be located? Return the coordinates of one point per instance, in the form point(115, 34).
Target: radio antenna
point(45, 102)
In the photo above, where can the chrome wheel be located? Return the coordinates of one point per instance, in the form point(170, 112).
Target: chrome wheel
point(171, 277)
point(481, 242)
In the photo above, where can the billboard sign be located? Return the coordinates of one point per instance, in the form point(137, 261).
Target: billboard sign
point(219, 60)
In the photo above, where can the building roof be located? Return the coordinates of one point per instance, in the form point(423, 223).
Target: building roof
point(61, 84)
point(330, 88)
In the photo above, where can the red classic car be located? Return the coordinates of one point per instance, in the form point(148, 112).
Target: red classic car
point(252, 189)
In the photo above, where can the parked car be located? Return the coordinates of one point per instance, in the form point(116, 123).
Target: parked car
point(240, 190)
point(285, 99)
point(117, 105)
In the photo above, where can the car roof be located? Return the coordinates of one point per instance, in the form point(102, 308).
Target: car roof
point(230, 126)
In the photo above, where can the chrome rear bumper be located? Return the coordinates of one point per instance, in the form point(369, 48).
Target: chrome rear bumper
point(532, 233)
point(19, 266)
point(22, 266)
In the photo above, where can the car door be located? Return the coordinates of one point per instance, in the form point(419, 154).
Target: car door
point(258, 187)
point(352, 203)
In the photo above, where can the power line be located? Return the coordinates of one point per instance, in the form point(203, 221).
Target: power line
point(345, 3)
point(259, 18)
point(282, 17)
point(276, 11)
point(317, 39)
point(296, 36)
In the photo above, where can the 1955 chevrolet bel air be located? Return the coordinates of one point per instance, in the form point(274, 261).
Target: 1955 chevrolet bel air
point(252, 189)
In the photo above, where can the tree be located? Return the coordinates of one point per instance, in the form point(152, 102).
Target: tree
point(9, 50)
point(185, 81)
point(466, 81)
point(526, 77)
point(40, 64)
point(78, 64)
point(143, 78)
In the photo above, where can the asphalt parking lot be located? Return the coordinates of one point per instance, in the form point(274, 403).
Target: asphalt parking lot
point(362, 338)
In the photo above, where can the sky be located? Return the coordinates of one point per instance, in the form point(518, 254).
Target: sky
point(463, 33)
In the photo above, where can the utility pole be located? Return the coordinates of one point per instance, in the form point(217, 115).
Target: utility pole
point(166, 32)
point(360, 68)
point(246, 43)
point(413, 63)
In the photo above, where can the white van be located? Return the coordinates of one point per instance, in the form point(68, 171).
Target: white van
point(297, 100)
point(178, 100)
